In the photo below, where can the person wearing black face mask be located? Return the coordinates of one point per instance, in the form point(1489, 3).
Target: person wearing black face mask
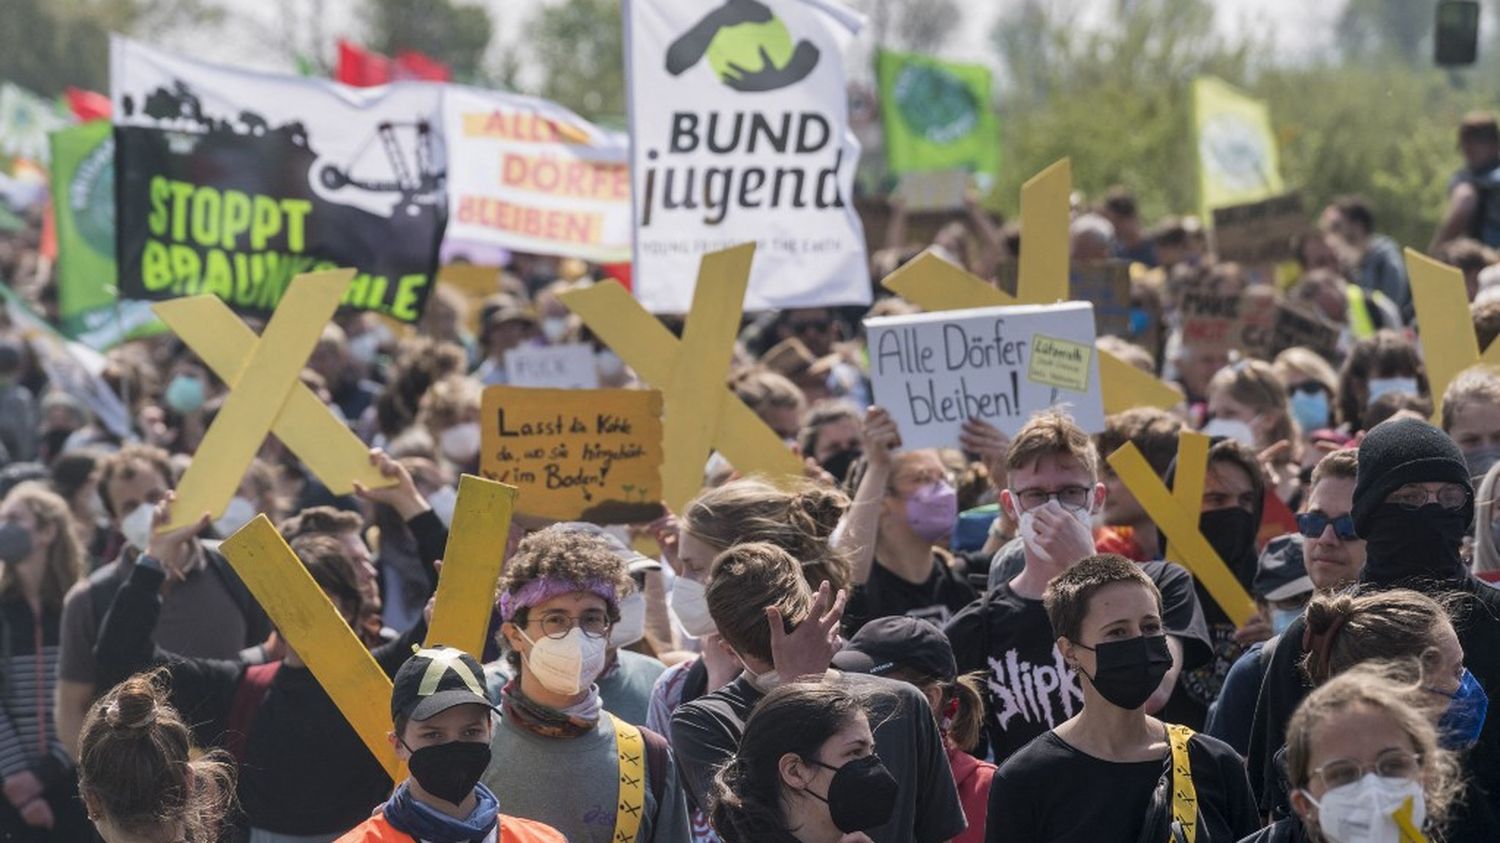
point(1413, 504)
point(805, 772)
point(1106, 614)
point(1233, 496)
point(442, 732)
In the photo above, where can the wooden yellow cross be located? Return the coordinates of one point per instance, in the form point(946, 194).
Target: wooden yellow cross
point(265, 396)
point(315, 630)
point(1175, 512)
point(701, 414)
point(1449, 344)
point(935, 284)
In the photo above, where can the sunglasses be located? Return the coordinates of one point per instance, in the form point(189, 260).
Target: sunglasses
point(1312, 524)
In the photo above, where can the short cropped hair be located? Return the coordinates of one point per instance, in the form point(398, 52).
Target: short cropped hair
point(124, 463)
point(743, 582)
point(320, 521)
point(1051, 433)
point(1342, 464)
point(1152, 430)
point(1068, 595)
point(1475, 385)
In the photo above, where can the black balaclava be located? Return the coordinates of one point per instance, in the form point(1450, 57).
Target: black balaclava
point(1403, 544)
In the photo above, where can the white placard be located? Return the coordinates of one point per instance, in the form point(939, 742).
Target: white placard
point(568, 366)
point(740, 133)
point(932, 371)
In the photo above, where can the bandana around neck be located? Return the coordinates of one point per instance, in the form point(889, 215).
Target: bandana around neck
point(544, 720)
point(406, 814)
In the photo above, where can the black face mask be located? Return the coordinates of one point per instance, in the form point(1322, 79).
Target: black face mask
point(861, 796)
point(838, 463)
point(1128, 672)
point(1415, 544)
point(15, 543)
point(1231, 532)
point(450, 770)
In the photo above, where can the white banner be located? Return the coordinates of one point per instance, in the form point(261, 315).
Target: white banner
point(529, 175)
point(740, 132)
point(1000, 364)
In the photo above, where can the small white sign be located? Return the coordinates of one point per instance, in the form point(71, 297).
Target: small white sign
point(555, 366)
point(932, 371)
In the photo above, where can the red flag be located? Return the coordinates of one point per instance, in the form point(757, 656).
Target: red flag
point(360, 67)
point(411, 64)
point(1277, 519)
point(618, 271)
point(88, 105)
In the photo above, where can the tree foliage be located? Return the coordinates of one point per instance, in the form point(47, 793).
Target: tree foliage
point(578, 50)
point(1116, 97)
point(454, 33)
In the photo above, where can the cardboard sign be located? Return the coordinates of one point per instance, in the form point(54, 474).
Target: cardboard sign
point(568, 366)
point(576, 455)
point(1259, 232)
point(936, 190)
point(1210, 322)
point(1257, 324)
point(1000, 364)
point(1105, 285)
point(1297, 327)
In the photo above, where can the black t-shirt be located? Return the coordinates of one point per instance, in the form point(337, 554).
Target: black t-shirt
point(885, 594)
point(1052, 792)
point(1030, 688)
point(706, 732)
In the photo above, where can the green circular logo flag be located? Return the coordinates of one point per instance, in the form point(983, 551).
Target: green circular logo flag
point(936, 105)
point(1235, 153)
point(92, 197)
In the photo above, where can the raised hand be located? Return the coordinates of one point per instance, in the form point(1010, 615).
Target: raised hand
point(173, 548)
point(808, 650)
point(402, 496)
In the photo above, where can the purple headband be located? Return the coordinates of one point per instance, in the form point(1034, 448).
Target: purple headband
point(546, 588)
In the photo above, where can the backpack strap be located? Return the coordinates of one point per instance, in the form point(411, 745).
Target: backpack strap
point(631, 806)
point(1184, 793)
point(658, 756)
point(248, 696)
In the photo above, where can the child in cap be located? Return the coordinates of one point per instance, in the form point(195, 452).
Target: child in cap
point(442, 731)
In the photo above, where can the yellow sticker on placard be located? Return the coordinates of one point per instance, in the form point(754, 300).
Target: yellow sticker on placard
point(1058, 362)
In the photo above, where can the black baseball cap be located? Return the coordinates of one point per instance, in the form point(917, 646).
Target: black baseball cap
point(434, 680)
point(886, 644)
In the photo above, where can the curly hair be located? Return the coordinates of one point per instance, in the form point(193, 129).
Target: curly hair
point(571, 557)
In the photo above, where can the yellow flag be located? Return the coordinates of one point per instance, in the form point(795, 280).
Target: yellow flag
point(1237, 160)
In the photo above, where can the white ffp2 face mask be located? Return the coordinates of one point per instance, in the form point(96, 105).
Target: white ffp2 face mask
point(1364, 812)
point(690, 605)
point(1230, 429)
point(631, 627)
point(136, 527)
point(567, 665)
point(461, 442)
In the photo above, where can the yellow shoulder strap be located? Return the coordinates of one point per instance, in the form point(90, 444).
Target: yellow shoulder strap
point(1184, 794)
point(632, 805)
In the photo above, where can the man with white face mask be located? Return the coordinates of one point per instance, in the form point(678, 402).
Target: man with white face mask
point(1054, 491)
point(206, 611)
point(564, 755)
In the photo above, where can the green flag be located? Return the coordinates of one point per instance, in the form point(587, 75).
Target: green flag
point(83, 179)
point(937, 114)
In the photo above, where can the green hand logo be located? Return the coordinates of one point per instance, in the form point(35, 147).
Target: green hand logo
point(747, 46)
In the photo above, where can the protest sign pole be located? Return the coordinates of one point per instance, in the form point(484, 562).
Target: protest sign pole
point(655, 354)
point(471, 565)
point(265, 394)
point(1181, 526)
point(312, 627)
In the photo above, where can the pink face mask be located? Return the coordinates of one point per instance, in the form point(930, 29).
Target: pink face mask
point(932, 510)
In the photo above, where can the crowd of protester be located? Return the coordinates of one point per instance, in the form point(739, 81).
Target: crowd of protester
point(979, 643)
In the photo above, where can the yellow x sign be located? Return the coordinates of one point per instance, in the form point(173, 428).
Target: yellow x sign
point(1178, 518)
point(315, 630)
point(935, 284)
point(1449, 344)
point(700, 412)
point(265, 395)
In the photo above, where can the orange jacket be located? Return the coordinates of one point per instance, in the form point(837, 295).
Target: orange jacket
point(512, 830)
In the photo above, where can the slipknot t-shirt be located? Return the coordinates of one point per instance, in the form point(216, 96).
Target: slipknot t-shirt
point(1029, 687)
